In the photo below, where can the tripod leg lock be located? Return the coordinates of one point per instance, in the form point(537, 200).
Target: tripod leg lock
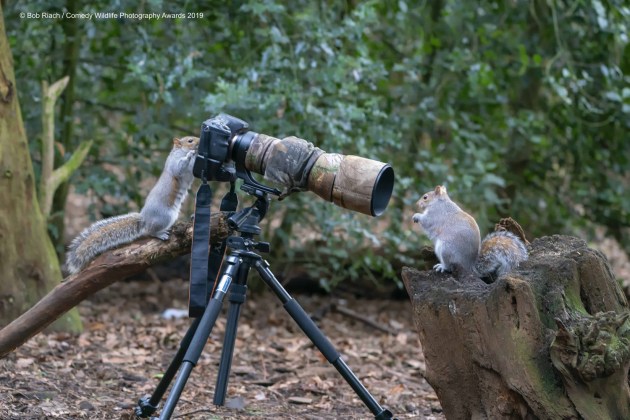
point(238, 292)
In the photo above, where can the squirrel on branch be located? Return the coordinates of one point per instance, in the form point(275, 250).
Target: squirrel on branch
point(457, 242)
point(159, 213)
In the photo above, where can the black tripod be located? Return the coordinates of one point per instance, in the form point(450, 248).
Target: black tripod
point(236, 268)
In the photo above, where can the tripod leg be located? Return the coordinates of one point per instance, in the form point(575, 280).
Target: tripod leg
point(321, 342)
point(148, 405)
point(237, 297)
point(200, 338)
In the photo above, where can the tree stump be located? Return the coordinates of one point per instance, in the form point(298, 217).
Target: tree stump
point(549, 341)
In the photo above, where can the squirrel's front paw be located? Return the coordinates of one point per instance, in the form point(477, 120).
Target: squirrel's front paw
point(416, 218)
point(185, 160)
point(161, 235)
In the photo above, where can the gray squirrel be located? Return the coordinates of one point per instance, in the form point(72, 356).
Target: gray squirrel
point(159, 213)
point(457, 242)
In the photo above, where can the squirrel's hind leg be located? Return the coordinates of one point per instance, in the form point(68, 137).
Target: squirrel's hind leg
point(441, 268)
point(163, 235)
point(440, 252)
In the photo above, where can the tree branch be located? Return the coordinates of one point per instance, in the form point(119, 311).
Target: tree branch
point(50, 94)
point(108, 268)
point(52, 178)
point(62, 173)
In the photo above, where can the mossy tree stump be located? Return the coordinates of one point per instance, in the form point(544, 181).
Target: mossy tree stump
point(550, 341)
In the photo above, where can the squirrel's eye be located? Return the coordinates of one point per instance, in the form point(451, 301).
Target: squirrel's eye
point(190, 140)
point(425, 197)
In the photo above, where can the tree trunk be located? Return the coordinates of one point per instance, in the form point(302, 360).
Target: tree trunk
point(28, 264)
point(549, 341)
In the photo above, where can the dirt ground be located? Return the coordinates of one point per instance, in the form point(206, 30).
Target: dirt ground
point(276, 372)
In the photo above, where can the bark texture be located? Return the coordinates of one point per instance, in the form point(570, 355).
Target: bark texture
point(549, 341)
point(28, 264)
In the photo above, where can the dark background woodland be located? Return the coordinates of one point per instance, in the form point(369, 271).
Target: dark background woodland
point(521, 108)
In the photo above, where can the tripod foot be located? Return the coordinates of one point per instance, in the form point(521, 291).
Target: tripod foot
point(385, 415)
point(145, 409)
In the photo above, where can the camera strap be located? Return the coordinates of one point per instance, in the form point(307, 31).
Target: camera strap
point(198, 288)
point(228, 204)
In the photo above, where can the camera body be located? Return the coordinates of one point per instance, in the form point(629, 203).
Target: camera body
point(215, 144)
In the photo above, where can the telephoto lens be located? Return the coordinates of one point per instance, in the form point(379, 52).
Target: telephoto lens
point(352, 182)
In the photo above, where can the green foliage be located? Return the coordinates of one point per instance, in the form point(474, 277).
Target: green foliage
point(521, 108)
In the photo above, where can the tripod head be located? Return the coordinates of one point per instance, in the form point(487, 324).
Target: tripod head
point(245, 222)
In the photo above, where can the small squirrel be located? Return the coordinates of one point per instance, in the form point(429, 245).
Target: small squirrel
point(159, 213)
point(458, 246)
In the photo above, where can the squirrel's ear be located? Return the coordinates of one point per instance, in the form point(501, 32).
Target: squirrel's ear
point(177, 142)
point(440, 190)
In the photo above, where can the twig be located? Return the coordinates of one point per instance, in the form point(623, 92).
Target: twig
point(190, 413)
point(348, 312)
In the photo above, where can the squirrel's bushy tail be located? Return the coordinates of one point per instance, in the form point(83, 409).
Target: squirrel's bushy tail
point(501, 252)
point(101, 236)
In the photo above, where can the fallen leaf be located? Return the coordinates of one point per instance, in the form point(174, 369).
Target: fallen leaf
point(300, 400)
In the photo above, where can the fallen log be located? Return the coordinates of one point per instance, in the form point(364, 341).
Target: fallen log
point(550, 340)
point(106, 269)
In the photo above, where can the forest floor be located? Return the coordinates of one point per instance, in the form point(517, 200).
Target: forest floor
point(276, 372)
point(127, 344)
